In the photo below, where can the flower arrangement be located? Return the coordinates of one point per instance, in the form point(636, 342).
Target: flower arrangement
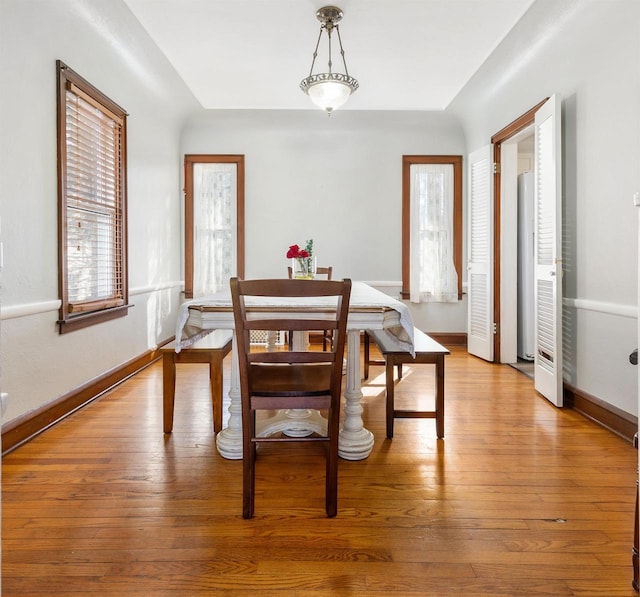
point(302, 260)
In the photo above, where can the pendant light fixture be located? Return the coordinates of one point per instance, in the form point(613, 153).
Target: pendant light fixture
point(329, 90)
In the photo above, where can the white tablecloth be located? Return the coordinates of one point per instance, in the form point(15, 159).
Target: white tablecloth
point(363, 298)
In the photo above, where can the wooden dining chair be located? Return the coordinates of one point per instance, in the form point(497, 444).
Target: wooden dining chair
point(327, 336)
point(290, 380)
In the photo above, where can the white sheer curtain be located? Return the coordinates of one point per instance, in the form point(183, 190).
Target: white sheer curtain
point(214, 223)
point(433, 274)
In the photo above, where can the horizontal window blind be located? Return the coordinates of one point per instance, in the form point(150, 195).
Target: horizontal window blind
point(93, 204)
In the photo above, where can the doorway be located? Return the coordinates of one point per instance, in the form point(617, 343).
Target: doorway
point(517, 347)
point(517, 287)
point(499, 297)
point(505, 217)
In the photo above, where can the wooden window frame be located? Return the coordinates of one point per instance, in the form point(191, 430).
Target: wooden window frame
point(407, 162)
point(189, 161)
point(74, 316)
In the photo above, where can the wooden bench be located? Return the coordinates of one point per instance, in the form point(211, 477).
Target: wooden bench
point(211, 349)
point(427, 351)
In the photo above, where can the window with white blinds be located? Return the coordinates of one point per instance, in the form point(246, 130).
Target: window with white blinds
point(91, 144)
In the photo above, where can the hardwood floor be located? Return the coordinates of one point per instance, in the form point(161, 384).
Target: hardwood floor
point(518, 499)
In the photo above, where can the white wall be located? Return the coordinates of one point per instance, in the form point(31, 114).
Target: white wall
point(588, 51)
point(335, 179)
point(106, 45)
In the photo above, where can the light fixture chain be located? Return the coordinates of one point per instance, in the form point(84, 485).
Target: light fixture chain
point(315, 52)
point(344, 60)
point(329, 36)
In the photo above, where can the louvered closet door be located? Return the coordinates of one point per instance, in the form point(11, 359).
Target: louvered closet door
point(548, 252)
point(480, 255)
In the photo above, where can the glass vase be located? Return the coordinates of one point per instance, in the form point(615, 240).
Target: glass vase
point(304, 268)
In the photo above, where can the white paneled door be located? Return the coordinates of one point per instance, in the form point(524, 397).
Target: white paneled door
point(480, 255)
point(548, 251)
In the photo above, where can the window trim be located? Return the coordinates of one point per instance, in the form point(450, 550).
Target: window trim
point(69, 321)
point(189, 161)
point(407, 162)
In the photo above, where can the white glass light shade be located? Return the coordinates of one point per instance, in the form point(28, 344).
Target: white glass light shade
point(329, 95)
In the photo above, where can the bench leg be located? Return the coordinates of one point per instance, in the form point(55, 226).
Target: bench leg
point(168, 390)
point(215, 375)
point(390, 396)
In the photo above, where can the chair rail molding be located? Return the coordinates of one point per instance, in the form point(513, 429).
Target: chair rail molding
point(620, 310)
point(28, 309)
point(156, 287)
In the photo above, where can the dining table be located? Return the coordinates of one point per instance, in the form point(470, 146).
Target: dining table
point(369, 309)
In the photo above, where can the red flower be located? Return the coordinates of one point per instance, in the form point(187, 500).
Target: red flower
point(295, 252)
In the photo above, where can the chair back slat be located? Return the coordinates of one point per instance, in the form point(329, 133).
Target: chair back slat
point(291, 357)
point(292, 324)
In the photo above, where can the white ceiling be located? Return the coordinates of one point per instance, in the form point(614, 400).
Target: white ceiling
point(252, 54)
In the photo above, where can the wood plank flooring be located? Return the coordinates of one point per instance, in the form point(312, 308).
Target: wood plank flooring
point(518, 499)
